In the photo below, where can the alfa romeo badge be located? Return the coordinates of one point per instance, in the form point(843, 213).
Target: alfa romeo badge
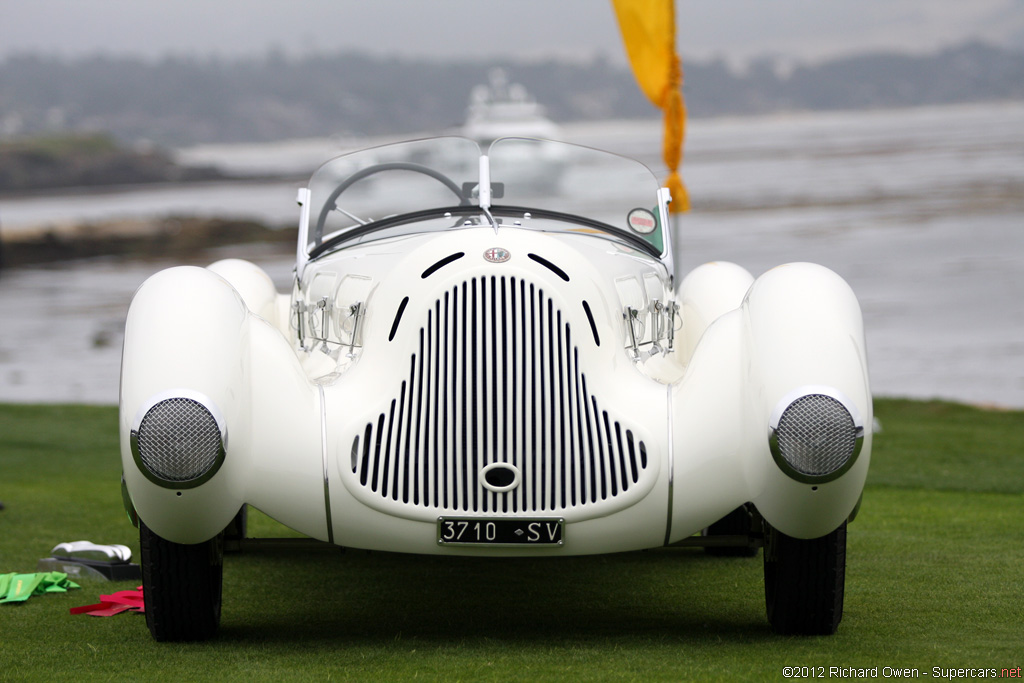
point(497, 255)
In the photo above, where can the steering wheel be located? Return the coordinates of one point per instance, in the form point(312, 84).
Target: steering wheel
point(331, 204)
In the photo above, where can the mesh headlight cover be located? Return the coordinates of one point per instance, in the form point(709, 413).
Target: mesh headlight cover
point(178, 441)
point(816, 436)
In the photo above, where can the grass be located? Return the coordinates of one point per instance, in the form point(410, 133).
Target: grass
point(933, 580)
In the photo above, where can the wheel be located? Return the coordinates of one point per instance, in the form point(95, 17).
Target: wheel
point(181, 586)
point(739, 522)
point(234, 533)
point(804, 582)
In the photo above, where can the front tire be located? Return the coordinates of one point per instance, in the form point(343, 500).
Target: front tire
point(236, 530)
point(804, 582)
point(181, 586)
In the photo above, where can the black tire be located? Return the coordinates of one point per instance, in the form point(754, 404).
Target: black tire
point(804, 581)
point(234, 533)
point(181, 586)
point(739, 522)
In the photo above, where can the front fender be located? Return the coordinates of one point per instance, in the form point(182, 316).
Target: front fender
point(184, 334)
point(805, 335)
point(798, 332)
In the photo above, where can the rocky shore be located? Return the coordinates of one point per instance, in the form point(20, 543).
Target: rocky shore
point(88, 160)
point(181, 238)
point(83, 162)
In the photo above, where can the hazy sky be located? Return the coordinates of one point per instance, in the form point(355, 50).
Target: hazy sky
point(440, 29)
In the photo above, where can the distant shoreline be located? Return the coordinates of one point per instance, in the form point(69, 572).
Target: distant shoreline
point(145, 185)
point(174, 236)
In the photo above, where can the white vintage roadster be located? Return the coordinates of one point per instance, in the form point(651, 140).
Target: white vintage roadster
point(472, 362)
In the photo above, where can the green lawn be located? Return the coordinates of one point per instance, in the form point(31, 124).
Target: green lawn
point(936, 562)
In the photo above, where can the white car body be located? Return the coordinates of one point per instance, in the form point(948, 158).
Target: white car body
point(485, 371)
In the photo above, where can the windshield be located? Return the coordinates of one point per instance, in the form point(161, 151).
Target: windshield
point(406, 187)
point(609, 189)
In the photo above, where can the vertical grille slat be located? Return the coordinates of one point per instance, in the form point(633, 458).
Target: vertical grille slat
point(515, 423)
point(389, 454)
point(406, 421)
point(446, 385)
point(499, 370)
point(414, 441)
point(537, 387)
point(542, 372)
point(560, 468)
point(376, 451)
point(495, 376)
point(570, 426)
point(591, 452)
point(430, 444)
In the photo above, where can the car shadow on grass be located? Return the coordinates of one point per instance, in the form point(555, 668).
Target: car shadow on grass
point(345, 598)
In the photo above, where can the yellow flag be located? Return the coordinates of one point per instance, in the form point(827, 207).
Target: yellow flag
point(649, 33)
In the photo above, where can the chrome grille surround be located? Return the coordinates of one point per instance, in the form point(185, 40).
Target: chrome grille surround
point(495, 378)
point(815, 434)
point(179, 439)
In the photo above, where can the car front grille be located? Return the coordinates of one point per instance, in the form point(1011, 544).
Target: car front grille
point(496, 378)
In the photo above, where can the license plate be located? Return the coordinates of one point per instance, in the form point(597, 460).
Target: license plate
point(491, 531)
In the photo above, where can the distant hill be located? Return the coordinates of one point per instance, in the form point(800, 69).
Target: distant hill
point(181, 101)
point(87, 160)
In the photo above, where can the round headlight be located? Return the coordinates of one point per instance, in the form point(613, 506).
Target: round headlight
point(815, 436)
point(179, 439)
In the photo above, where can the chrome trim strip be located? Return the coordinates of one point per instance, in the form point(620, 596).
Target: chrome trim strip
point(668, 233)
point(323, 451)
point(304, 199)
point(671, 467)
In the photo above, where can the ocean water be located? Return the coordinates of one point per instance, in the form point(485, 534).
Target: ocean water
point(921, 210)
